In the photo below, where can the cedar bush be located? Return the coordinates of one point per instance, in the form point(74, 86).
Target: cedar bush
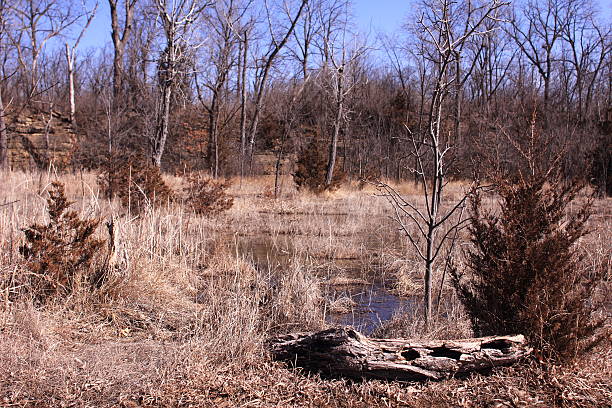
point(312, 168)
point(135, 181)
point(60, 253)
point(525, 272)
point(207, 196)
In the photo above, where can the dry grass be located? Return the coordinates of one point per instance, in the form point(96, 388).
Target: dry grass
point(182, 319)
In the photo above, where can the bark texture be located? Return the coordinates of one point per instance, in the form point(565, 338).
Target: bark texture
point(3, 137)
point(345, 352)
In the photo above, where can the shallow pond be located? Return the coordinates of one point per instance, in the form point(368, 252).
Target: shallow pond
point(373, 304)
point(370, 304)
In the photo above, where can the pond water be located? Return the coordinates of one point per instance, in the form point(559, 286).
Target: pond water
point(370, 303)
point(373, 305)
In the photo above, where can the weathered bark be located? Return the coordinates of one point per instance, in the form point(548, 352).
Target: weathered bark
point(158, 143)
point(3, 137)
point(347, 353)
point(70, 65)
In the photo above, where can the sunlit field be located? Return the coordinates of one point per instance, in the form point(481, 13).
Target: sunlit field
point(183, 317)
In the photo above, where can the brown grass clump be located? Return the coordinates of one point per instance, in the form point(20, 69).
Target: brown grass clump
point(207, 196)
point(136, 182)
point(58, 253)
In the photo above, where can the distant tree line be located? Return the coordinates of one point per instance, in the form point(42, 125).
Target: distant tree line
point(211, 84)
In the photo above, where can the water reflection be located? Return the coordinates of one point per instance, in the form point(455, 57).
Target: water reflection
point(373, 305)
point(369, 304)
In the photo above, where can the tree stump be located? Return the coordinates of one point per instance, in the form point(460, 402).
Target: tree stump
point(344, 352)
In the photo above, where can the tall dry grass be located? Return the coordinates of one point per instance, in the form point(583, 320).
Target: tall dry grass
point(184, 316)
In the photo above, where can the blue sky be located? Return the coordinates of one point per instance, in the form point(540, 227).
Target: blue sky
point(381, 15)
point(372, 16)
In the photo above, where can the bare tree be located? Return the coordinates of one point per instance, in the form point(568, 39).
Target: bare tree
point(341, 75)
point(177, 18)
point(3, 132)
point(140, 47)
point(267, 62)
point(224, 23)
point(3, 137)
point(587, 44)
point(70, 60)
point(242, 86)
point(537, 27)
point(36, 23)
point(288, 114)
point(445, 26)
point(120, 33)
point(304, 35)
point(493, 61)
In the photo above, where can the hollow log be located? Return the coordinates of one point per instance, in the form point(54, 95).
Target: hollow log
point(344, 352)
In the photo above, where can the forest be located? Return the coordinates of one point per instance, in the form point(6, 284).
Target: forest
point(215, 85)
point(198, 196)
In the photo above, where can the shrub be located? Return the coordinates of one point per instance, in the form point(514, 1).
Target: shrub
point(61, 251)
point(312, 168)
point(525, 273)
point(135, 181)
point(207, 196)
point(600, 158)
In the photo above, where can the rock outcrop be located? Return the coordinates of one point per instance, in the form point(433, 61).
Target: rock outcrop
point(38, 139)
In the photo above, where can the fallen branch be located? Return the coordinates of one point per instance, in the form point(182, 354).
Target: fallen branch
point(9, 203)
point(347, 353)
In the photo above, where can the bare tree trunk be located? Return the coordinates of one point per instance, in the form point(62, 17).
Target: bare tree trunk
point(69, 61)
point(333, 146)
point(120, 37)
point(430, 221)
point(70, 58)
point(161, 133)
point(279, 165)
point(243, 88)
point(176, 19)
point(213, 138)
point(3, 138)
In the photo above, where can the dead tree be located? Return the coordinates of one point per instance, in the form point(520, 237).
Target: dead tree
point(344, 352)
point(177, 18)
point(444, 27)
point(70, 60)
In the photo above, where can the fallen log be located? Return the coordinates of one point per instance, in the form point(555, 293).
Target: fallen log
point(344, 352)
